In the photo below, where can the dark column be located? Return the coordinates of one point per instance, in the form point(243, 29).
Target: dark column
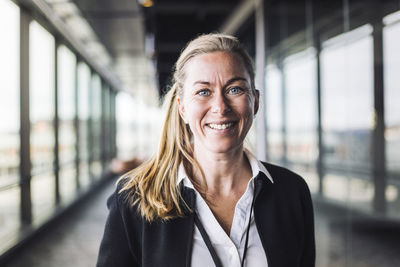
point(283, 109)
point(283, 25)
point(76, 125)
point(378, 148)
point(56, 163)
point(90, 140)
point(320, 163)
point(260, 83)
point(25, 164)
point(103, 125)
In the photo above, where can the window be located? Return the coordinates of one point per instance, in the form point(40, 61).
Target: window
point(391, 44)
point(391, 35)
point(301, 114)
point(347, 116)
point(41, 69)
point(9, 126)
point(66, 112)
point(273, 109)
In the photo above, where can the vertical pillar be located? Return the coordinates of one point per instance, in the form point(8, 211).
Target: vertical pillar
point(25, 163)
point(89, 136)
point(114, 124)
point(76, 126)
point(260, 80)
point(284, 109)
point(379, 168)
point(56, 166)
point(320, 165)
point(283, 25)
point(313, 40)
point(104, 129)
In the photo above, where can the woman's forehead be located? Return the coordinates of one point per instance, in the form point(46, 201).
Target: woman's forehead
point(215, 65)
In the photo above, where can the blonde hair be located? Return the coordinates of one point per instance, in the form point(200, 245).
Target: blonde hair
point(153, 185)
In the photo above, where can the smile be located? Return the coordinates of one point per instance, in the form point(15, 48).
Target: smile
point(222, 126)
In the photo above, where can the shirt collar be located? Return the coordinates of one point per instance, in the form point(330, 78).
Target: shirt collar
point(255, 164)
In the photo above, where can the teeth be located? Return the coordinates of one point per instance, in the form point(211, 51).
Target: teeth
point(220, 126)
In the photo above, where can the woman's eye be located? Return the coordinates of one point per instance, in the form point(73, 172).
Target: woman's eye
point(235, 90)
point(204, 92)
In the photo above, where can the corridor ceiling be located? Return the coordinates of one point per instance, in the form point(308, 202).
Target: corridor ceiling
point(129, 30)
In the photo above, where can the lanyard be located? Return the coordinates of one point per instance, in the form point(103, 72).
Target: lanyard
point(210, 247)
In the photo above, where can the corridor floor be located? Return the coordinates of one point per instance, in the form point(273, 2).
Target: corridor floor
point(75, 240)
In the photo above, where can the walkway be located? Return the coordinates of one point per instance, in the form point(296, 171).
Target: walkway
point(75, 241)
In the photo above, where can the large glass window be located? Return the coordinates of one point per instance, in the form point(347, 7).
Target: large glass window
point(301, 115)
point(273, 109)
point(9, 126)
point(41, 69)
point(83, 118)
point(66, 112)
point(347, 116)
point(391, 36)
point(391, 41)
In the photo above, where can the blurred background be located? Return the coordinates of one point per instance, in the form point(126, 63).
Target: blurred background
point(81, 87)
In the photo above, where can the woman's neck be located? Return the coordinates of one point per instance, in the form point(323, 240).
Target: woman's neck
point(225, 173)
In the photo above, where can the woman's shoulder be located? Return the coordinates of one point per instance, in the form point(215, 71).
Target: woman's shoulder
point(282, 176)
point(122, 198)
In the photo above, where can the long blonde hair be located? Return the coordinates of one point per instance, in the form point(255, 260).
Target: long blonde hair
point(153, 185)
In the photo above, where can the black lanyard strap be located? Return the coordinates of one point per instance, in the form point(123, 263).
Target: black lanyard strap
point(210, 247)
point(206, 239)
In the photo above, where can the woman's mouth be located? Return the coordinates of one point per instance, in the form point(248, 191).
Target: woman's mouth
point(220, 126)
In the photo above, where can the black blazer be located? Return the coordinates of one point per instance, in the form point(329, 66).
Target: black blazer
point(283, 215)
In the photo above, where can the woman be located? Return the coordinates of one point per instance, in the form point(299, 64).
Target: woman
point(204, 200)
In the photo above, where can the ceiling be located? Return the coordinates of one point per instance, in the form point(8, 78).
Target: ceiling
point(144, 42)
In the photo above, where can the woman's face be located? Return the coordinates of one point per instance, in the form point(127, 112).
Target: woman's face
point(218, 102)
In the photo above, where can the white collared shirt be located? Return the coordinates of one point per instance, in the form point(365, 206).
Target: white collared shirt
point(229, 248)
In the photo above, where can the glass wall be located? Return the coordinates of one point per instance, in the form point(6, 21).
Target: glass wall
point(66, 114)
point(71, 108)
point(301, 115)
point(324, 117)
point(391, 44)
point(347, 116)
point(42, 103)
point(274, 115)
point(9, 126)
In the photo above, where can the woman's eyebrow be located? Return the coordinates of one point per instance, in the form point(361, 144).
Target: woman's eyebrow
point(232, 80)
point(201, 82)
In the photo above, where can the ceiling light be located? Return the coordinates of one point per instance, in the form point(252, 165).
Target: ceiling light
point(146, 3)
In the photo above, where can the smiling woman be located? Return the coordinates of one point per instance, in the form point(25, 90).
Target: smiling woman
point(203, 199)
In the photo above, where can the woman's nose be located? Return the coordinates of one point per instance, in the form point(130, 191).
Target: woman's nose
point(220, 104)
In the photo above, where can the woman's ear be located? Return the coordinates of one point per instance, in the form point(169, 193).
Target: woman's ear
point(181, 108)
point(256, 101)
